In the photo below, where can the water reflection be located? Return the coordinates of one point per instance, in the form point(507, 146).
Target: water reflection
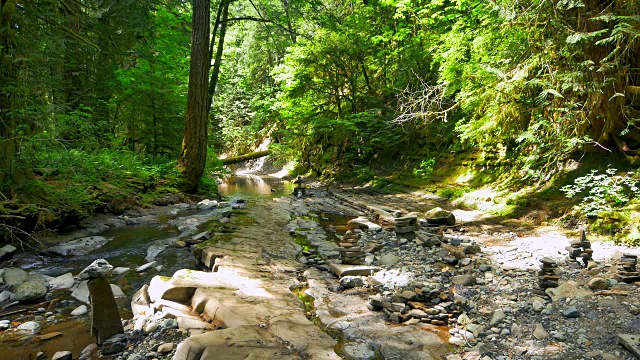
point(253, 185)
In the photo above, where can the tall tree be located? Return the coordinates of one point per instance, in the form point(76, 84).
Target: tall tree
point(193, 153)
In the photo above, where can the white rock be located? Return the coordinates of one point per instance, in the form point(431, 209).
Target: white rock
point(30, 326)
point(454, 340)
point(146, 266)
point(82, 292)
point(120, 270)
point(64, 281)
point(79, 311)
point(140, 323)
point(117, 292)
point(150, 327)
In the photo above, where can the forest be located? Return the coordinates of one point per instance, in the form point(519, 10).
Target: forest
point(108, 104)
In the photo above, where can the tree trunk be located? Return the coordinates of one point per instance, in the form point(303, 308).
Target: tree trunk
point(193, 153)
point(7, 76)
point(222, 22)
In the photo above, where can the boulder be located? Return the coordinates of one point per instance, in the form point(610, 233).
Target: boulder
point(207, 204)
point(30, 291)
point(79, 247)
point(13, 277)
point(6, 252)
point(81, 292)
point(438, 216)
point(598, 284)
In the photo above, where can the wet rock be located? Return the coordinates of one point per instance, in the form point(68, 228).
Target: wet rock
point(98, 268)
point(13, 277)
point(31, 327)
point(6, 252)
point(30, 291)
point(146, 266)
point(79, 247)
point(5, 324)
point(65, 281)
point(62, 355)
point(465, 280)
point(349, 282)
point(597, 284)
point(80, 310)
point(359, 351)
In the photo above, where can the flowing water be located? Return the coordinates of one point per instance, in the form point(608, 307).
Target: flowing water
point(127, 247)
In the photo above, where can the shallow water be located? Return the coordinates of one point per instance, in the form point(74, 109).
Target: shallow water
point(252, 186)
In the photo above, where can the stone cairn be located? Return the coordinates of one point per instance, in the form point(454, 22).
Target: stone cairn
point(406, 227)
point(350, 252)
point(580, 248)
point(627, 268)
point(547, 275)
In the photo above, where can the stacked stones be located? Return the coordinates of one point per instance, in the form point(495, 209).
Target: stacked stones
point(350, 252)
point(580, 248)
point(406, 227)
point(434, 306)
point(547, 275)
point(627, 270)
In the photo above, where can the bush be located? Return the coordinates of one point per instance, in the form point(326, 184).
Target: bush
point(602, 192)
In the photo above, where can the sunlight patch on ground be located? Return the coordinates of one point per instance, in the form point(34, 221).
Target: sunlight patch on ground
point(393, 278)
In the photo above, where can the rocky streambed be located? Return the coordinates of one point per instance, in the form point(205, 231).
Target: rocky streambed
point(266, 282)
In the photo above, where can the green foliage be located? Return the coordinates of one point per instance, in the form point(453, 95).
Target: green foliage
point(426, 168)
point(602, 193)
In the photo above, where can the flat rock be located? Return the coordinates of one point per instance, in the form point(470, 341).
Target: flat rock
point(364, 224)
point(48, 336)
point(568, 289)
point(79, 247)
point(353, 270)
point(359, 351)
point(631, 342)
point(465, 280)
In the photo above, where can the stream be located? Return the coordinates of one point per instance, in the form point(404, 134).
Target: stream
point(127, 247)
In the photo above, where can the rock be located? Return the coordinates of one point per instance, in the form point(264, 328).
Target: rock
point(146, 266)
point(454, 340)
point(150, 327)
point(438, 216)
point(567, 289)
point(117, 292)
point(13, 277)
point(165, 348)
point(62, 355)
point(89, 352)
point(359, 351)
point(80, 310)
point(207, 204)
point(81, 292)
point(105, 318)
point(484, 268)
point(121, 270)
point(597, 284)
point(114, 345)
point(5, 295)
point(353, 270)
point(537, 305)
point(497, 317)
point(539, 332)
point(364, 224)
point(140, 302)
point(79, 247)
point(98, 268)
point(30, 291)
point(465, 280)
point(571, 312)
point(48, 336)
point(30, 327)
point(388, 260)
point(631, 342)
point(65, 281)
point(6, 252)
point(170, 324)
point(472, 249)
point(349, 282)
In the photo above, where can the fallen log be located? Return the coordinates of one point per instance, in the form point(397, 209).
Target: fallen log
point(245, 157)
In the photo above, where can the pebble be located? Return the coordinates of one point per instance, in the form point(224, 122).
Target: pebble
point(170, 324)
point(497, 318)
point(571, 312)
point(165, 348)
point(539, 332)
